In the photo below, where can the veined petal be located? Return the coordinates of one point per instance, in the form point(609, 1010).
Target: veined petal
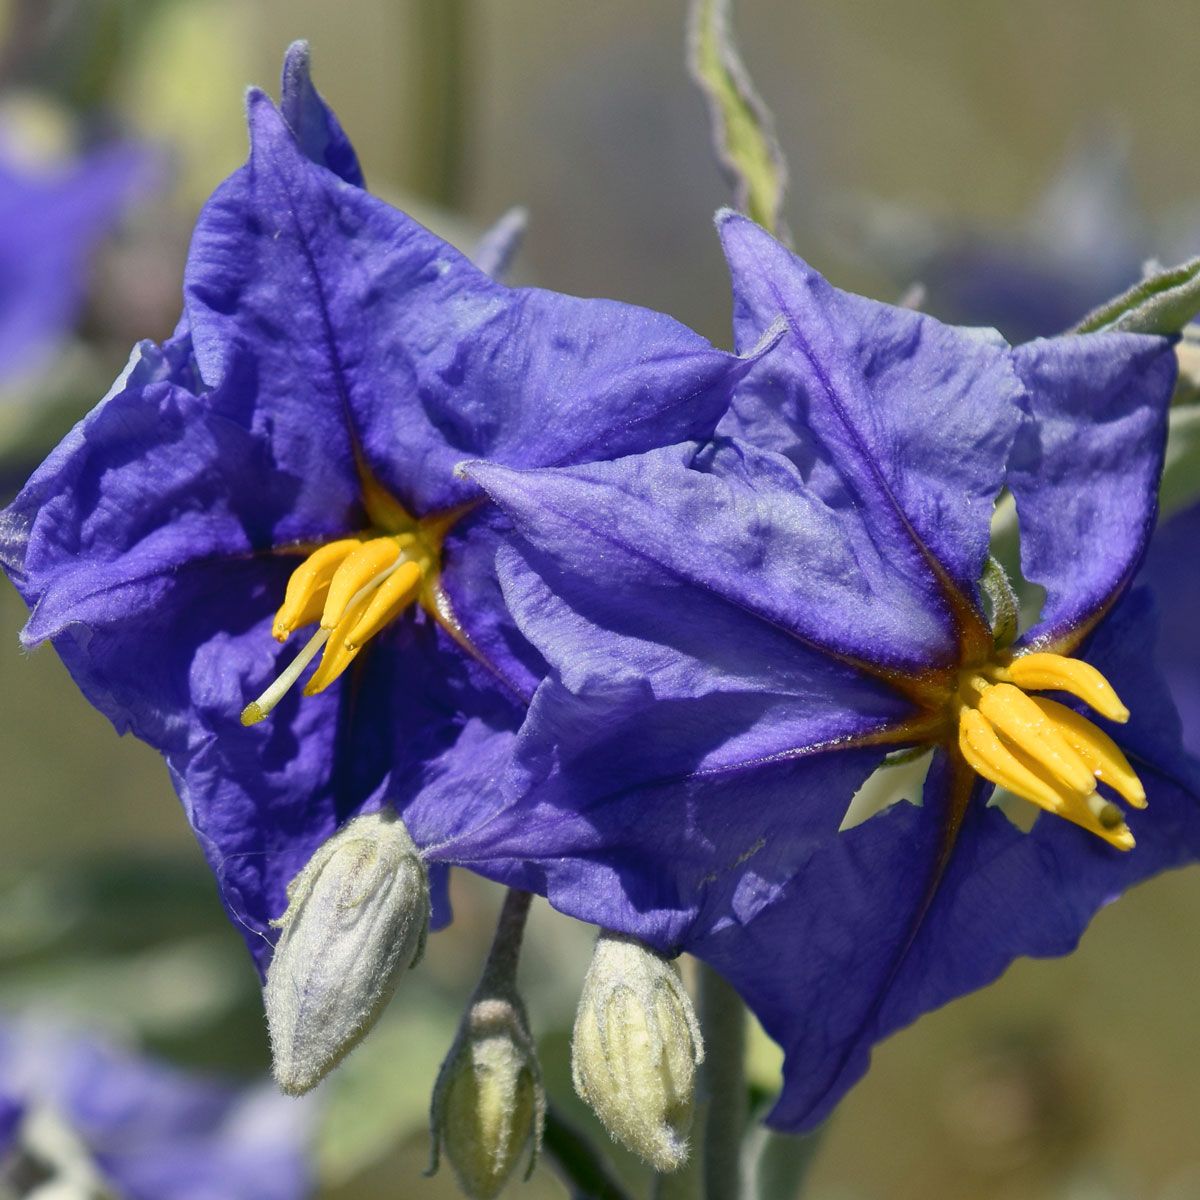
point(884, 410)
point(1085, 469)
point(399, 352)
point(864, 908)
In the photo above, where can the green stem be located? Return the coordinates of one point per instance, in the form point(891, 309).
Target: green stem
point(782, 1163)
point(500, 970)
point(587, 1175)
point(723, 1022)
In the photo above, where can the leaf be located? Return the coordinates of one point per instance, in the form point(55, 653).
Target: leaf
point(1161, 303)
point(742, 126)
point(1180, 485)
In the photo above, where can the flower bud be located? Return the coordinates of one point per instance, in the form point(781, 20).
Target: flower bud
point(489, 1104)
point(356, 919)
point(636, 1048)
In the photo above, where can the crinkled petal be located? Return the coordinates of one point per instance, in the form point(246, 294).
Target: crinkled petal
point(1085, 467)
point(351, 330)
point(471, 586)
point(317, 129)
point(731, 526)
point(886, 412)
point(863, 911)
point(676, 690)
point(152, 479)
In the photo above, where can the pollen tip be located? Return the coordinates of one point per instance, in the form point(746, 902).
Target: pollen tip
point(281, 632)
point(252, 714)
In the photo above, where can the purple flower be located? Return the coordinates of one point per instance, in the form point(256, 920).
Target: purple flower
point(739, 633)
point(78, 1110)
point(50, 222)
point(286, 462)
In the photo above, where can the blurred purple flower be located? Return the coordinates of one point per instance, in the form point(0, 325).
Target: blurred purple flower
point(298, 438)
point(50, 223)
point(738, 634)
point(79, 1110)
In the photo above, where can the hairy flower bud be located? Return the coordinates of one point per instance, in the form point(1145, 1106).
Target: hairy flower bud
point(636, 1048)
point(489, 1104)
point(356, 919)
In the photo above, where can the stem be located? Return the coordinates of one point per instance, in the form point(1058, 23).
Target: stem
point(501, 966)
point(783, 1162)
point(723, 1022)
point(583, 1169)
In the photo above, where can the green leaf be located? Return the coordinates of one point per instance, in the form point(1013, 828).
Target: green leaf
point(1180, 487)
point(743, 130)
point(1162, 303)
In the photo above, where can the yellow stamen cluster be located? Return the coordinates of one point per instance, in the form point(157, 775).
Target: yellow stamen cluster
point(354, 587)
point(1043, 751)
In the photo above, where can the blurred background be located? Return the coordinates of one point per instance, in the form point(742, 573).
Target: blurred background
point(1048, 148)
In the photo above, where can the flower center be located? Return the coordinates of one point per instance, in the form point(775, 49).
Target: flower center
point(354, 587)
point(1044, 751)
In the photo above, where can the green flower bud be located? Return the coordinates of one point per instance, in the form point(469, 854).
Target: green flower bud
point(636, 1048)
point(489, 1104)
point(356, 920)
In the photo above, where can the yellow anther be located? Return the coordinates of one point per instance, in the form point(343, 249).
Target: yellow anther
point(1027, 728)
point(307, 586)
point(388, 601)
point(1097, 749)
point(1101, 817)
point(992, 759)
point(1053, 672)
point(359, 570)
point(337, 656)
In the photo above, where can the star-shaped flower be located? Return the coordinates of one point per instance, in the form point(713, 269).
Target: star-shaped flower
point(740, 634)
point(84, 1117)
point(282, 471)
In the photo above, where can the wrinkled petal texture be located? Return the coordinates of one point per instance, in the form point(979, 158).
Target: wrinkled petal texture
point(679, 681)
point(1085, 467)
point(900, 929)
point(903, 423)
point(326, 336)
point(358, 332)
point(156, 1132)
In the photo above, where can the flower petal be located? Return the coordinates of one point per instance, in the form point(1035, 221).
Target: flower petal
point(886, 410)
point(1085, 468)
point(676, 692)
point(829, 979)
point(347, 329)
point(314, 123)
